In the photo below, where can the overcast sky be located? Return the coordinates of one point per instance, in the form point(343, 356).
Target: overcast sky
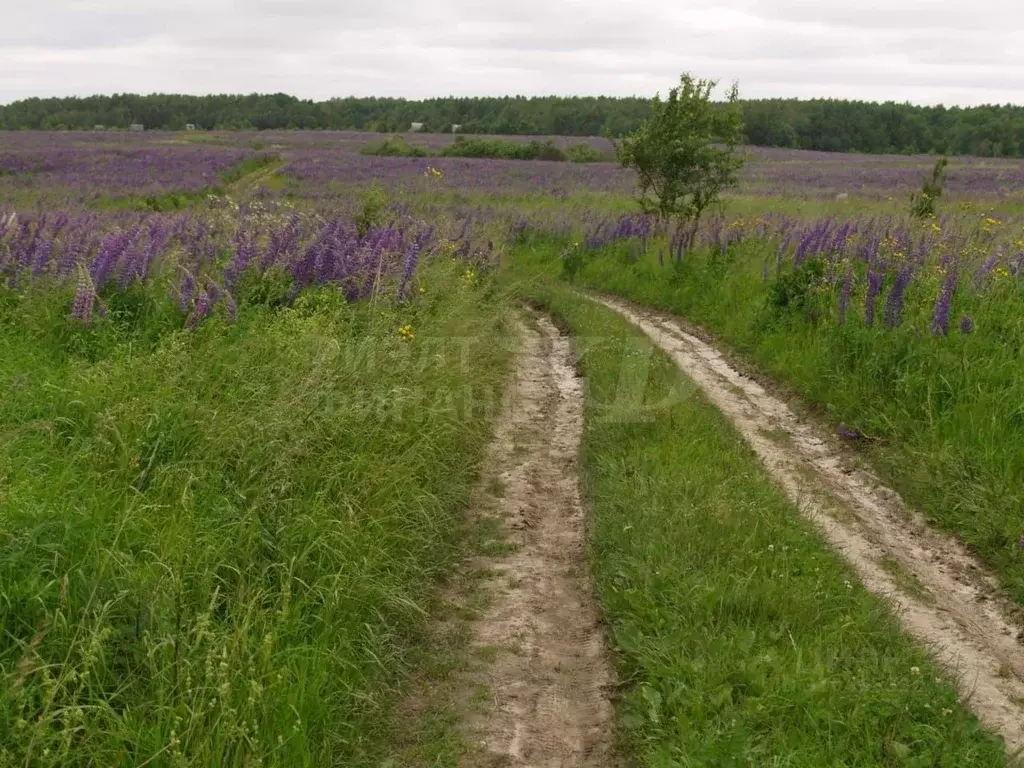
point(923, 51)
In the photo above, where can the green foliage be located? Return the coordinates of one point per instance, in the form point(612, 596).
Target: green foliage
point(546, 150)
point(248, 166)
point(502, 149)
point(793, 291)
point(373, 203)
point(584, 153)
point(396, 146)
point(268, 289)
point(218, 547)
point(739, 632)
point(684, 154)
point(573, 257)
point(164, 203)
point(922, 206)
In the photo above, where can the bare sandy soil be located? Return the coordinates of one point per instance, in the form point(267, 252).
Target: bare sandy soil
point(541, 696)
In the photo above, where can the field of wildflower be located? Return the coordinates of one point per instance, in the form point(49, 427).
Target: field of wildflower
point(246, 381)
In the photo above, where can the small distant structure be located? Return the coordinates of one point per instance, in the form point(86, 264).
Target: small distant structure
point(190, 126)
point(416, 127)
point(99, 127)
point(136, 127)
point(456, 127)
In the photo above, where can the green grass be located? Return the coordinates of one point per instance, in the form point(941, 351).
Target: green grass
point(247, 167)
point(220, 547)
point(233, 179)
point(741, 638)
point(948, 409)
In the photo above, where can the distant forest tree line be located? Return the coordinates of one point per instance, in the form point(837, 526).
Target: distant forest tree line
point(821, 124)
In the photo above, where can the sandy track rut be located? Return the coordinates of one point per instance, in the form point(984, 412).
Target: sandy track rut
point(548, 676)
point(952, 608)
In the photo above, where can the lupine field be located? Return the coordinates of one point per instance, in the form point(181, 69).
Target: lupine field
point(245, 381)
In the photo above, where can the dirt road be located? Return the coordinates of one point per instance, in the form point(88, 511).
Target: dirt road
point(942, 596)
point(547, 675)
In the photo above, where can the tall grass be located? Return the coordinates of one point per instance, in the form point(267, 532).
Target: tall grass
point(217, 546)
point(948, 409)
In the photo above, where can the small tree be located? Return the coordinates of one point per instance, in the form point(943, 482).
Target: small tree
point(685, 153)
point(922, 206)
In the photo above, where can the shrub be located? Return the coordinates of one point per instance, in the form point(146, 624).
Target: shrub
point(395, 146)
point(684, 154)
point(546, 151)
point(374, 201)
point(792, 292)
point(584, 153)
point(503, 149)
point(922, 206)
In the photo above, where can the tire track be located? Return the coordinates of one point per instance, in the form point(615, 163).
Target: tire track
point(941, 594)
point(547, 673)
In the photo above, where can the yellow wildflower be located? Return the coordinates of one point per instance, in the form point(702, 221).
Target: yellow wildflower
point(406, 334)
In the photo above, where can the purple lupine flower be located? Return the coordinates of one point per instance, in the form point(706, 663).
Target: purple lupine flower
point(894, 304)
point(869, 250)
point(85, 297)
point(23, 245)
point(984, 270)
point(302, 269)
point(870, 300)
point(131, 265)
point(200, 310)
point(78, 242)
point(108, 255)
point(158, 234)
point(841, 236)
point(844, 294)
point(409, 262)
point(849, 433)
point(802, 248)
point(245, 251)
point(187, 291)
point(232, 306)
point(42, 253)
point(966, 325)
point(940, 319)
point(325, 262)
point(597, 239)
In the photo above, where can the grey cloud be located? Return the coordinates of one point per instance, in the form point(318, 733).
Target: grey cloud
point(942, 50)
